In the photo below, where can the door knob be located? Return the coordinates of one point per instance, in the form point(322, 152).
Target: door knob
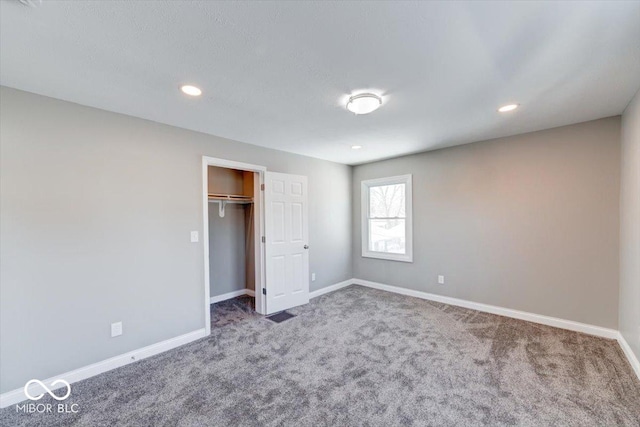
point(306, 246)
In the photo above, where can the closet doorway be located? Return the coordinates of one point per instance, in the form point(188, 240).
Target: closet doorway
point(256, 237)
point(233, 229)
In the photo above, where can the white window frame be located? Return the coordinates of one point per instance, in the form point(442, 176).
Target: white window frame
point(364, 192)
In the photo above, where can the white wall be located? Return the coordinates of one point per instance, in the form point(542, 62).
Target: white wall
point(630, 226)
point(528, 222)
point(96, 210)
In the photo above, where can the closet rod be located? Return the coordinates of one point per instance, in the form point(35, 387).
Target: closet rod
point(222, 203)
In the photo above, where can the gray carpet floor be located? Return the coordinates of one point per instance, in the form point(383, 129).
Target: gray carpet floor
point(363, 357)
point(233, 311)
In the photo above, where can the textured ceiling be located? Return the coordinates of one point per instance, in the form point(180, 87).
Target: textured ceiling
point(277, 74)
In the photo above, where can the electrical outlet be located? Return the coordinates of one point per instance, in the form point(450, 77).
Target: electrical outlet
point(441, 280)
point(116, 329)
point(313, 277)
point(194, 237)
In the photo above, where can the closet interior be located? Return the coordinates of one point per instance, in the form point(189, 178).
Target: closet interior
point(231, 233)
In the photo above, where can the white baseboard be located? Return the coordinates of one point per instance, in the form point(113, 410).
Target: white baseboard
point(230, 295)
point(17, 396)
point(507, 312)
point(516, 314)
point(331, 288)
point(631, 357)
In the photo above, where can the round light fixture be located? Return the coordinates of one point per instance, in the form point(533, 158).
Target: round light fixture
point(191, 90)
point(509, 107)
point(364, 103)
point(356, 147)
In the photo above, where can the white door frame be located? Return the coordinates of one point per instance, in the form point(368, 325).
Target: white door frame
point(258, 206)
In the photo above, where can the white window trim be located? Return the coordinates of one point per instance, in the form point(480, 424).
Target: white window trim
point(364, 208)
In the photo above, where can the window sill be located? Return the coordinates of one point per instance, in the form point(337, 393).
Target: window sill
point(388, 257)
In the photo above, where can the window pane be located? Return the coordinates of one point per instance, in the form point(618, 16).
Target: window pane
point(387, 201)
point(387, 235)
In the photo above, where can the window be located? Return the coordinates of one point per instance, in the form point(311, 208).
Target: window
point(386, 218)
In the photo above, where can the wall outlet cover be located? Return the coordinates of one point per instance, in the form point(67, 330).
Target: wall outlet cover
point(194, 237)
point(441, 280)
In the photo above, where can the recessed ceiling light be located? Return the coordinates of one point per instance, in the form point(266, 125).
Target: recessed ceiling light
point(509, 107)
point(356, 147)
point(364, 103)
point(191, 90)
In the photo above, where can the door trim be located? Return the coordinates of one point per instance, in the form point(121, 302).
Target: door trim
point(258, 204)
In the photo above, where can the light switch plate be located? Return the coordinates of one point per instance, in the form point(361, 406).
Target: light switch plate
point(116, 329)
point(194, 237)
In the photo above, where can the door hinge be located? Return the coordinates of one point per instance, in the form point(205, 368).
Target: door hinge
point(262, 187)
point(264, 291)
point(264, 240)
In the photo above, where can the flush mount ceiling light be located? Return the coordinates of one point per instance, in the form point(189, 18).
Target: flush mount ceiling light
point(364, 103)
point(191, 90)
point(507, 108)
point(356, 147)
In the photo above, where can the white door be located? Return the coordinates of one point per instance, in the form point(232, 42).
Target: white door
point(287, 239)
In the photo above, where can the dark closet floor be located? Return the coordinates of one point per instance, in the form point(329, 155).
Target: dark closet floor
point(233, 311)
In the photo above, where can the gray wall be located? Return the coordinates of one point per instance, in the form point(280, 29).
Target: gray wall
point(630, 227)
point(528, 222)
point(231, 244)
point(96, 209)
point(227, 249)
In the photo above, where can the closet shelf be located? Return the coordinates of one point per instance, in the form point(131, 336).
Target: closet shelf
point(230, 197)
point(224, 199)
